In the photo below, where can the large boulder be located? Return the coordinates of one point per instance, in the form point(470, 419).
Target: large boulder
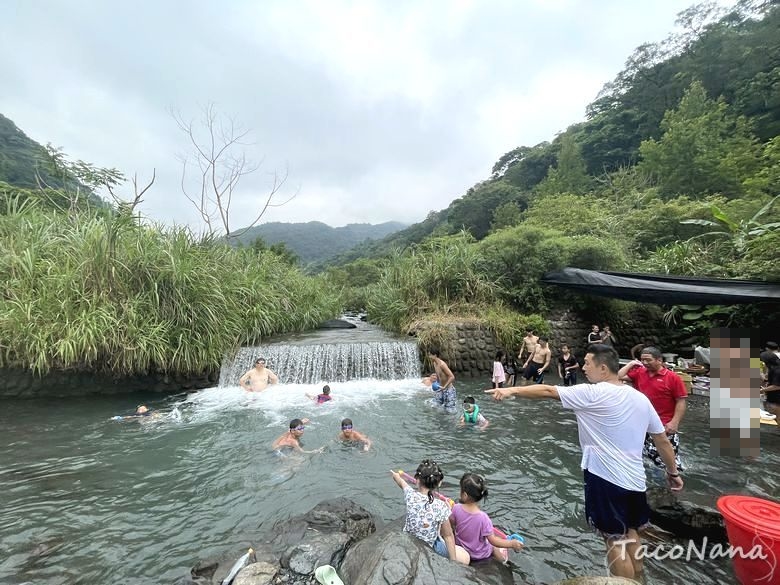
point(391, 557)
point(685, 519)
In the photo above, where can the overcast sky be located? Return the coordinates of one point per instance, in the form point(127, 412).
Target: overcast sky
point(379, 111)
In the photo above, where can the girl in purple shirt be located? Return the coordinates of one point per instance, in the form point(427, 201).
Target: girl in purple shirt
point(473, 528)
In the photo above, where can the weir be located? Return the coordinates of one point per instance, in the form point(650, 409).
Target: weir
point(328, 362)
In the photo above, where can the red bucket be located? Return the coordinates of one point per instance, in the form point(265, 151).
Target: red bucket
point(753, 525)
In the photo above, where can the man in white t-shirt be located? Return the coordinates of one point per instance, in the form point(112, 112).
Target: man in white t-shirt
point(612, 420)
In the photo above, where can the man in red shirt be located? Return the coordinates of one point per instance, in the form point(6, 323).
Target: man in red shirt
point(666, 392)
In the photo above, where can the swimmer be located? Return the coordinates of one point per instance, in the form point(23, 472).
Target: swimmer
point(141, 411)
point(471, 414)
point(291, 439)
point(258, 378)
point(321, 398)
point(347, 434)
point(429, 380)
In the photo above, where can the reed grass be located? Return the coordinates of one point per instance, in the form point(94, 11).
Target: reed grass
point(104, 292)
point(444, 280)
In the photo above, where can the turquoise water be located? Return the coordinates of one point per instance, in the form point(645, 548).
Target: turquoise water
point(90, 500)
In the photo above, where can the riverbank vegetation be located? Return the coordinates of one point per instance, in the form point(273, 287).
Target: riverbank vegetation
point(675, 171)
point(95, 288)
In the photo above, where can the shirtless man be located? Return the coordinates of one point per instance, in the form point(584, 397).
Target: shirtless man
point(445, 396)
point(538, 362)
point(529, 343)
point(348, 434)
point(292, 438)
point(258, 378)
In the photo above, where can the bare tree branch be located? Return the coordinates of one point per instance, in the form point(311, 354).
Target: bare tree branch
point(218, 149)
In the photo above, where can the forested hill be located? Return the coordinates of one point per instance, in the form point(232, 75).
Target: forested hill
point(696, 115)
point(21, 158)
point(314, 241)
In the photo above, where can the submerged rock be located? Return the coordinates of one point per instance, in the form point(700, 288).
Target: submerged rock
point(685, 519)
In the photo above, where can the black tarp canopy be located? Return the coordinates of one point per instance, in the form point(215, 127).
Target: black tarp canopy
point(665, 290)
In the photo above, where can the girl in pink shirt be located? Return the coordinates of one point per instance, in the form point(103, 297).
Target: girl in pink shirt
point(473, 528)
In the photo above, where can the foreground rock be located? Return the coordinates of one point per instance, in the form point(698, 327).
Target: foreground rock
point(685, 519)
point(391, 556)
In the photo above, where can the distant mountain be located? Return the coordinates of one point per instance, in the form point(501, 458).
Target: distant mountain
point(21, 158)
point(315, 241)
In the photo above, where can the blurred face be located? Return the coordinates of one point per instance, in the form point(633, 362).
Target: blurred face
point(652, 364)
point(565, 348)
point(260, 364)
point(595, 329)
point(347, 430)
point(468, 407)
point(297, 432)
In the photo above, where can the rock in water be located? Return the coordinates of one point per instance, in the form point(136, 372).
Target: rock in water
point(598, 581)
point(338, 324)
point(392, 556)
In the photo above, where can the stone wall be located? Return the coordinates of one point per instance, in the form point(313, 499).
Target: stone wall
point(469, 348)
point(16, 383)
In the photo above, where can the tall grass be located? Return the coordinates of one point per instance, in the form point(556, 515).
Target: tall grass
point(101, 291)
point(441, 281)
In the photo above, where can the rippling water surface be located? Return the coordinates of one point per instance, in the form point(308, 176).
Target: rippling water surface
point(89, 500)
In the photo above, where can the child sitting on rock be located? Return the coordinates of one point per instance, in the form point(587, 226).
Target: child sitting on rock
point(473, 527)
point(426, 516)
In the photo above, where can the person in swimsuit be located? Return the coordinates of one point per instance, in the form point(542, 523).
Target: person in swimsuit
point(321, 398)
point(258, 378)
point(291, 440)
point(445, 394)
point(349, 435)
point(537, 362)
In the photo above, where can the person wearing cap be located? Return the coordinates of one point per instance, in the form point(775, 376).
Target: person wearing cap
point(258, 378)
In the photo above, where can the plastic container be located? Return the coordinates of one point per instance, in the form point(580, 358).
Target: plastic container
point(753, 524)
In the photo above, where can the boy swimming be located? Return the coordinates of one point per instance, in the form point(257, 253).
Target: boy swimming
point(471, 414)
point(348, 434)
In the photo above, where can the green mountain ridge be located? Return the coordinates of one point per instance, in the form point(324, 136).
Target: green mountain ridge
point(314, 241)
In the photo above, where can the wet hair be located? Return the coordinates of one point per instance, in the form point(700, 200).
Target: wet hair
point(259, 359)
point(434, 351)
point(326, 389)
point(469, 400)
point(653, 351)
point(429, 475)
point(346, 421)
point(604, 355)
point(294, 423)
point(771, 345)
point(542, 340)
point(473, 485)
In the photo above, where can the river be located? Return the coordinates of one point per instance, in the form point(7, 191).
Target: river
point(86, 499)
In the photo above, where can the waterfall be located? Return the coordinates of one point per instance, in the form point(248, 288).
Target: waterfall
point(328, 362)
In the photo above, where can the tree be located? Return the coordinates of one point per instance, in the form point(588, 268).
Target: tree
point(570, 174)
point(214, 168)
point(704, 148)
point(506, 215)
point(475, 210)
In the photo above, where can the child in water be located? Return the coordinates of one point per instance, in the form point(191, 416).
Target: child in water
point(471, 414)
point(473, 528)
point(321, 398)
point(426, 516)
point(348, 434)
